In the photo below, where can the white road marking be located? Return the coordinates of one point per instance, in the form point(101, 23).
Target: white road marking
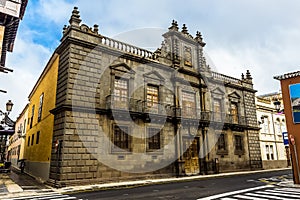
point(235, 192)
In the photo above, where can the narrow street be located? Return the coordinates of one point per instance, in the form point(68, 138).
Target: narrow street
point(196, 189)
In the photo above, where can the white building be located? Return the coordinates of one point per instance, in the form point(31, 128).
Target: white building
point(17, 140)
point(272, 123)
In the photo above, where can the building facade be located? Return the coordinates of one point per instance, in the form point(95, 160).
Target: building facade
point(272, 123)
point(290, 87)
point(40, 122)
point(17, 140)
point(11, 12)
point(123, 112)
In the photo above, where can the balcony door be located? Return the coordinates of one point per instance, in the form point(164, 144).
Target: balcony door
point(188, 105)
point(152, 99)
point(121, 94)
point(234, 113)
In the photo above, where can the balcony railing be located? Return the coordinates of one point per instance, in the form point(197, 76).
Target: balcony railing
point(235, 119)
point(135, 105)
point(193, 113)
point(123, 103)
point(140, 106)
point(158, 108)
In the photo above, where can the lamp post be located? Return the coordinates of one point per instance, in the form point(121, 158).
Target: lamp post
point(4, 133)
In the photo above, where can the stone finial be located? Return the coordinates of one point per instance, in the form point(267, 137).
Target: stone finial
point(248, 75)
point(96, 28)
point(65, 29)
point(184, 29)
point(174, 26)
point(75, 18)
point(199, 38)
point(243, 76)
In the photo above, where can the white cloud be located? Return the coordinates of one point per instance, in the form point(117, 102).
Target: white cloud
point(262, 36)
point(27, 61)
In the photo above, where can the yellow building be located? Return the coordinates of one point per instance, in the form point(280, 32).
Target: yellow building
point(40, 122)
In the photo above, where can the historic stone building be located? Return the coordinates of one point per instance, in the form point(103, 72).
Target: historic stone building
point(123, 112)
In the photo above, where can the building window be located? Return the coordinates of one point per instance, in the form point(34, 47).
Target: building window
point(271, 152)
point(121, 93)
point(238, 144)
point(217, 110)
point(32, 115)
point(37, 137)
point(268, 152)
point(153, 139)
point(121, 139)
point(152, 98)
point(234, 113)
point(40, 107)
point(24, 128)
point(28, 142)
point(265, 124)
point(188, 104)
point(221, 142)
point(32, 139)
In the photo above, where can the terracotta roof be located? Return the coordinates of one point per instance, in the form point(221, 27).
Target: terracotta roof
point(288, 75)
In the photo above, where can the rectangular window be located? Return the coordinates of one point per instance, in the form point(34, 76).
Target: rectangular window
point(221, 142)
point(37, 137)
point(24, 128)
point(153, 138)
point(32, 139)
point(40, 107)
point(121, 139)
point(266, 125)
point(238, 144)
point(188, 104)
point(152, 98)
point(121, 93)
point(217, 110)
point(28, 142)
point(32, 115)
point(234, 113)
point(271, 152)
point(268, 152)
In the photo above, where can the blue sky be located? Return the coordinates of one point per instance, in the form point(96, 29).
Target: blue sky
point(262, 36)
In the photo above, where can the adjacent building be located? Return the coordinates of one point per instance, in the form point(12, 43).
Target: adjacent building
point(17, 140)
point(272, 123)
point(290, 87)
point(122, 112)
point(40, 122)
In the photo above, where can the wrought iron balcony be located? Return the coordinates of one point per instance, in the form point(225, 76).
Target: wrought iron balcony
point(235, 119)
point(114, 102)
point(159, 108)
point(193, 113)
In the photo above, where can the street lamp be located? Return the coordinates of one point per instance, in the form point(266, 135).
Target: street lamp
point(9, 106)
point(277, 105)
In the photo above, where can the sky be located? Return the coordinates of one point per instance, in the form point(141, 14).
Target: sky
point(260, 36)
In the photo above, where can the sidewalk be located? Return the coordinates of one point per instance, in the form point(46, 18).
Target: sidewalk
point(15, 181)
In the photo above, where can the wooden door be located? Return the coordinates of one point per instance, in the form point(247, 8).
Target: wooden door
point(190, 156)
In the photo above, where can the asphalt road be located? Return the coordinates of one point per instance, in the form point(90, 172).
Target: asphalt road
point(189, 189)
